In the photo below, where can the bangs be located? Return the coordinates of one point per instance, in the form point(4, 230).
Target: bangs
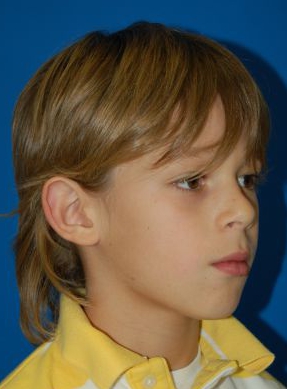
point(212, 72)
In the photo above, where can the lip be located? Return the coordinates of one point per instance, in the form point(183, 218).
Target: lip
point(236, 264)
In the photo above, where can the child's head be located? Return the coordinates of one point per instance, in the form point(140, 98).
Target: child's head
point(106, 100)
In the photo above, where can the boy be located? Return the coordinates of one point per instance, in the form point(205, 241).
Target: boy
point(137, 156)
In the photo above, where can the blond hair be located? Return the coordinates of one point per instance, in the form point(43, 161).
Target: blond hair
point(107, 99)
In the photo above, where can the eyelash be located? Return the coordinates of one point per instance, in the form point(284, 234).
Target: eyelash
point(198, 182)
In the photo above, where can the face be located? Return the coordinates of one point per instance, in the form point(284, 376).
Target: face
point(177, 241)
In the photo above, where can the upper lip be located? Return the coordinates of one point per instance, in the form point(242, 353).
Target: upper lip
point(239, 256)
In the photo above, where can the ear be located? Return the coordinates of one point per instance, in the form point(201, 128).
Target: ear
point(70, 211)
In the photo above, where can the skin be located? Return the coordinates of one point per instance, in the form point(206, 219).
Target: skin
point(151, 277)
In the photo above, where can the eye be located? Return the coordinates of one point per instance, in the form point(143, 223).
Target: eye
point(192, 183)
point(249, 181)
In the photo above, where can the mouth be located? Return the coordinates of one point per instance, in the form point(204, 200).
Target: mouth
point(236, 264)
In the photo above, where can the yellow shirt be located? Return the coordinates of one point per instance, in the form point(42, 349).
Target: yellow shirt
point(82, 357)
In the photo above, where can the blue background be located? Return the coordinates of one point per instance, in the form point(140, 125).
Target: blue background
point(32, 31)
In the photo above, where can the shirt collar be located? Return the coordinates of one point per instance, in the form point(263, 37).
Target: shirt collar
point(104, 361)
point(89, 349)
point(228, 339)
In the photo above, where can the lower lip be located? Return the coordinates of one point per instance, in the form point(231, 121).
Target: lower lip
point(233, 268)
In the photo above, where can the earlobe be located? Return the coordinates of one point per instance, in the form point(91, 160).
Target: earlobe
point(68, 210)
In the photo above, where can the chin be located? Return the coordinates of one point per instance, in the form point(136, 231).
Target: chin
point(221, 309)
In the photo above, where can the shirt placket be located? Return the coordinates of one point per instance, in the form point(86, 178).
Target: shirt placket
point(151, 374)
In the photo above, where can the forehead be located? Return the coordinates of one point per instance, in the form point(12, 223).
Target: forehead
point(208, 141)
point(213, 130)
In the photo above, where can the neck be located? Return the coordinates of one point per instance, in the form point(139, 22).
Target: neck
point(148, 331)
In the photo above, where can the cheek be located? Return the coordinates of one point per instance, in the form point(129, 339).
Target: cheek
point(155, 236)
point(166, 239)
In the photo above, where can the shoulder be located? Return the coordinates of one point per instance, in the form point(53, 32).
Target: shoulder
point(28, 369)
point(44, 368)
point(262, 381)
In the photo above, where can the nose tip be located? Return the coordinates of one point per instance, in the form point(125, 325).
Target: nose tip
point(241, 211)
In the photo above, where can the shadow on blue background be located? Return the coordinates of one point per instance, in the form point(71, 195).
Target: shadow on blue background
point(272, 239)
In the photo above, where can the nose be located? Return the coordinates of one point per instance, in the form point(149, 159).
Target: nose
point(239, 209)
